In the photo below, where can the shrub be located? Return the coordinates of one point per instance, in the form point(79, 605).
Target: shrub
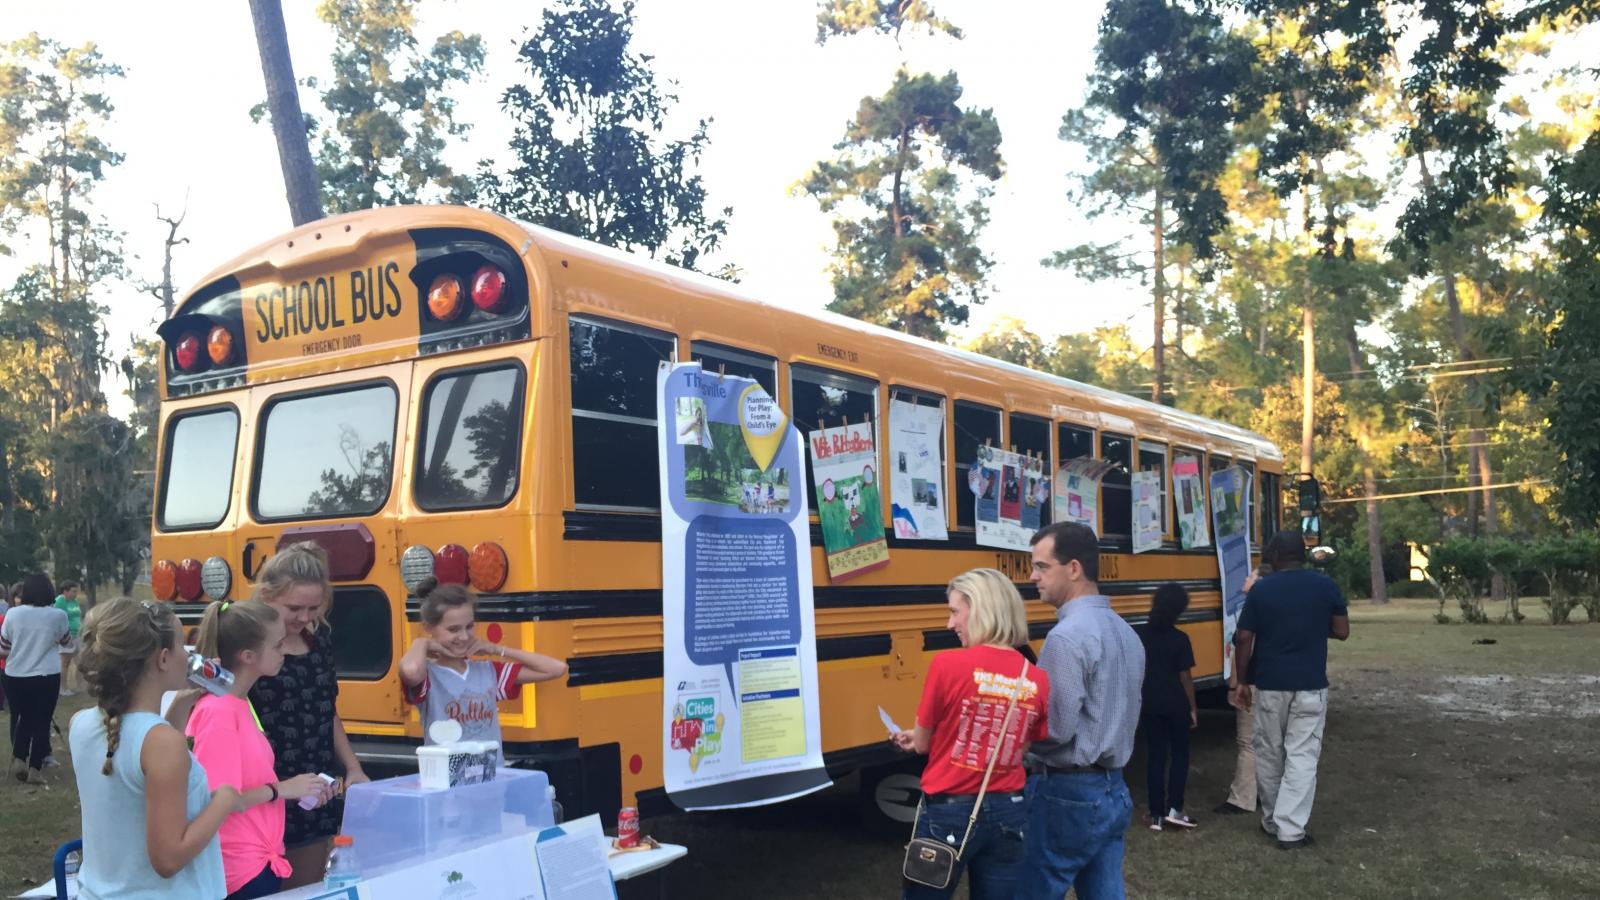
point(1461, 567)
point(1412, 590)
point(1506, 558)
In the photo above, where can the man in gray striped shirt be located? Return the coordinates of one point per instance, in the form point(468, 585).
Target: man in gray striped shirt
point(1079, 806)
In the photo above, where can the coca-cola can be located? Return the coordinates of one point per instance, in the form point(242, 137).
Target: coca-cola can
point(628, 827)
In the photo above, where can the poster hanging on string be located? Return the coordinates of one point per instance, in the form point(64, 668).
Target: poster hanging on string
point(1230, 511)
point(742, 725)
point(1190, 500)
point(844, 465)
point(1077, 491)
point(916, 501)
point(1008, 491)
point(1146, 491)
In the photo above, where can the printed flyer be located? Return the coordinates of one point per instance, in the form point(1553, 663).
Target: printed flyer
point(1077, 490)
point(916, 481)
point(844, 461)
point(1146, 511)
point(1230, 511)
point(1009, 490)
point(739, 702)
point(1190, 496)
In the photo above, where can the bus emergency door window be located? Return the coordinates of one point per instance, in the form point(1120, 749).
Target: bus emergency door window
point(471, 440)
point(1271, 506)
point(1031, 437)
point(615, 462)
point(975, 426)
point(716, 359)
point(1116, 497)
point(1153, 458)
point(1250, 498)
point(826, 399)
point(326, 454)
point(199, 469)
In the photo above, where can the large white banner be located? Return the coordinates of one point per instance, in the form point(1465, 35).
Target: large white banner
point(1230, 515)
point(916, 492)
point(739, 648)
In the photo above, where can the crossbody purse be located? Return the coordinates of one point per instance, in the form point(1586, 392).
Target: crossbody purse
point(933, 862)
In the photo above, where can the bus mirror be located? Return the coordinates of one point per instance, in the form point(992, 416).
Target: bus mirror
point(1322, 555)
point(1310, 493)
point(1311, 529)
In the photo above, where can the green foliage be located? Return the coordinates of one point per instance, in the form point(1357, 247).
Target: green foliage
point(391, 108)
point(1461, 567)
point(907, 214)
point(837, 18)
point(1569, 374)
point(93, 526)
point(614, 180)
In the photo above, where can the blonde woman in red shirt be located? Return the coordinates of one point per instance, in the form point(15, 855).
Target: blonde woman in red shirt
point(959, 725)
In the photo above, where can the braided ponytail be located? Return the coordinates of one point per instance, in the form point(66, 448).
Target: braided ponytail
point(119, 638)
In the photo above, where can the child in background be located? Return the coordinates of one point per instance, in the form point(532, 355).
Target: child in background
point(440, 675)
point(247, 638)
point(1169, 709)
point(149, 820)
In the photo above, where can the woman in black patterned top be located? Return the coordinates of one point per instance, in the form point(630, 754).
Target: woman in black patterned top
point(298, 706)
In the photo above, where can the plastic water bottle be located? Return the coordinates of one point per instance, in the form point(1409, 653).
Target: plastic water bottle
point(344, 870)
point(209, 674)
point(555, 805)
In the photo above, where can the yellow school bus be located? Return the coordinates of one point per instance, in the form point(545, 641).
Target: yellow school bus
point(441, 390)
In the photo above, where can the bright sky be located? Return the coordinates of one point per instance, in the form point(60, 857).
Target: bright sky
point(779, 104)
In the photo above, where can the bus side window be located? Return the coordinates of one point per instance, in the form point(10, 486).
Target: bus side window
point(1153, 458)
point(975, 426)
point(471, 439)
point(1031, 437)
point(1116, 495)
point(824, 398)
point(1271, 506)
point(1250, 498)
point(614, 455)
point(763, 370)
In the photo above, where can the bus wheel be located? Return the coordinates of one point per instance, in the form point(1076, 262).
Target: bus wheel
point(889, 796)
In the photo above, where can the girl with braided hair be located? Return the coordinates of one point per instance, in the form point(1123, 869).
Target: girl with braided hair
point(149, 821)
point(247, 638)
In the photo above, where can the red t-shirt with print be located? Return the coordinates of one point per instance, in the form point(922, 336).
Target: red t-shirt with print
point(964, 703)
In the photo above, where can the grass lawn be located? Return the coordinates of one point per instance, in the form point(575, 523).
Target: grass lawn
point(1450, 769)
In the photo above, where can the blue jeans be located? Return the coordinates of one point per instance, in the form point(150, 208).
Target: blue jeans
point(1076, 827)
point(993, 856)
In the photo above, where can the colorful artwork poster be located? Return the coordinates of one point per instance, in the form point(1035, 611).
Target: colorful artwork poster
point(742, 725)
point(1230, 501)
point(1077, 491)
point(1189, 498)
point(1005, 489)
point(844, 463)
point(916, 483)
point(1146, 491)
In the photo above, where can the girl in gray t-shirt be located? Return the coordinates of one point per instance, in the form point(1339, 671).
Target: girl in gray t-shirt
point(444, 680)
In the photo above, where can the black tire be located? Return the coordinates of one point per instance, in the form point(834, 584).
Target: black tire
point(889, 795)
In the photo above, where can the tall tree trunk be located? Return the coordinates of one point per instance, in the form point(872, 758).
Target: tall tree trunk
point(1369, 480)
point(1308, 342)
point(899, 174)
point(283, 102)
point(1159, 301)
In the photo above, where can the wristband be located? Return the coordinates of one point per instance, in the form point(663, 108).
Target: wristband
point(274, 789)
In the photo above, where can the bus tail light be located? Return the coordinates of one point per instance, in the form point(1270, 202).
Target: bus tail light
point(416, 564)
point(444, 297)
point(189, 580)
point(489, 289)
point(164, 580)
point(187, 353)
point(450, 564)
point(486, 567)
point(219, 345)
point(216, 578)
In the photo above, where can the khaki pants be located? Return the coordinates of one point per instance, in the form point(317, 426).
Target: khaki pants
point(1288, 742)
point(1242, 793)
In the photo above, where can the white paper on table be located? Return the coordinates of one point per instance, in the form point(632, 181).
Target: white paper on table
point(888, 722)
point(573, 863)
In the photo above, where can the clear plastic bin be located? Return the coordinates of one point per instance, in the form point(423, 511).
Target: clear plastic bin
point(398, 822)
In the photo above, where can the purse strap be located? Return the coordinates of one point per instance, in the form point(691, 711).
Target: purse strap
point(977, 804)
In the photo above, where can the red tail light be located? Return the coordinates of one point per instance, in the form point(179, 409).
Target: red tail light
point(489, 288)
point(188, 580)
point(450, 564)
point(486, 567)
point(164, 580)
point(188, 352)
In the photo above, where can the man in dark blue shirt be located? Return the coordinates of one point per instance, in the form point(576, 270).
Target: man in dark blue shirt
point(1282, 640)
